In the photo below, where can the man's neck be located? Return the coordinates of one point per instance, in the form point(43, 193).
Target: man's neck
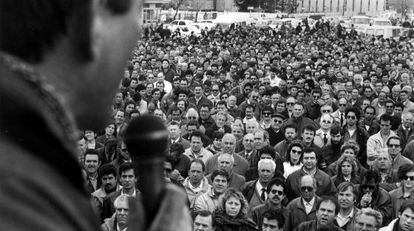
point(309, 171)
point(93, 175)
point(351, 127)
point(129, 191)
point(407, 191)
point(196, 184)
point(110, 190)
point(345, 211)
point(122, 226)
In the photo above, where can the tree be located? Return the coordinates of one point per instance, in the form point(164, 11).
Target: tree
point(176, 4)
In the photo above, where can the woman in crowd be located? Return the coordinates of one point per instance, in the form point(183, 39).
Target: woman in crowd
point(232, 215)
point(293, 160)
point(346, 170)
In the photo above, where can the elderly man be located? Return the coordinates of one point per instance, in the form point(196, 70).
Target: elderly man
point(203, 221)
point(229, 145)
point(303, 208)
point(118, 221)
point(255, 190)
point(226, 163)
point(368, 219)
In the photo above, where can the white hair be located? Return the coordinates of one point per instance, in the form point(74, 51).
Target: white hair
point(221, 156)
point(121, 198)
point(266, 161)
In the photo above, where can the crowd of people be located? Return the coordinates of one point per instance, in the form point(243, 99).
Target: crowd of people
point(283, 129)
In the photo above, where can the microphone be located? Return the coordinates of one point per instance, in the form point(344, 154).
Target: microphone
point(146, 139)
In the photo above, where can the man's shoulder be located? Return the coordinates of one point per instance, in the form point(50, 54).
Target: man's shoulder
point(113, 195)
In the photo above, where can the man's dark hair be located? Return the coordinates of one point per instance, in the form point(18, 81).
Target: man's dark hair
point(399, 104)
point(196, 134)
point(220, 172)
point(328, 199)
point(336, 129)
point(309, 128)
point(385, 117)
point(267, 150)
point(106, 169)
point(371, 107)
point(403, 170)
point(275, 181)
point(177, 147)
point(354, 110)
point(275, 215)
point(30, 28)
point(290, 125)
point(125, 167)
point(199, 161)
point(409, 204)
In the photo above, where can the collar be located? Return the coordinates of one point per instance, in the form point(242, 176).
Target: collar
point(134, 193)
point(310, 203)
point(119, 229)
point(349, 216)
point(312, 173)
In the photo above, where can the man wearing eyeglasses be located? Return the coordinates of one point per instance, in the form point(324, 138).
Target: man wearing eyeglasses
point(394, 149)
point(378, 142)
point(406, 190)
point(275, 195)
point(276, 134)
point(303, 208)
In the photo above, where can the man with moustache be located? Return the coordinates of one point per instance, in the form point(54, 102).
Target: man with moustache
point(291, 132)
point(275, 196)
point(108, 180)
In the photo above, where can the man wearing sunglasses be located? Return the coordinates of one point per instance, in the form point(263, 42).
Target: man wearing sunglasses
point(406, 190)
point(394, 150)
point(275, 132)
point(373, 196)
point(275, 195)
point(303, 208)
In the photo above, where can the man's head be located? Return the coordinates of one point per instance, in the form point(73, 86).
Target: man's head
point(273, 220)
point(368, 219)
point(290, 132)
point(276, 191)
point(385, 123)
point(266, 169)
point(406, 215)
point(407, 120)
point(229, 143)
point(248, 142)
point(352, 116)
point(298, 110)
point(73, 33)
point(196, 172)
point(121, 210)
point(307, 187)
point(225, 162)
point(394, 146)
point(203, 221)
point(406, 176)
point(127, 175)
point(92, 161)
point(196, 142)
point(108, 177)
point(326, 211)
point(174, 129)
point(260, 139)
point(220, 181)
point(308, 134)
point(309, 159)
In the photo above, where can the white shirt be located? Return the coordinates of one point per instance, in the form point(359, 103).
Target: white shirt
point(308, 205)
point(133, 193)
point(343, 220)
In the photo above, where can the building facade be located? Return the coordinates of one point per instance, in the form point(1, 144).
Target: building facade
point(342, 7)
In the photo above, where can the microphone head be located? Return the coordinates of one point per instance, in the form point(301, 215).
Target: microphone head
point(146, 137)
